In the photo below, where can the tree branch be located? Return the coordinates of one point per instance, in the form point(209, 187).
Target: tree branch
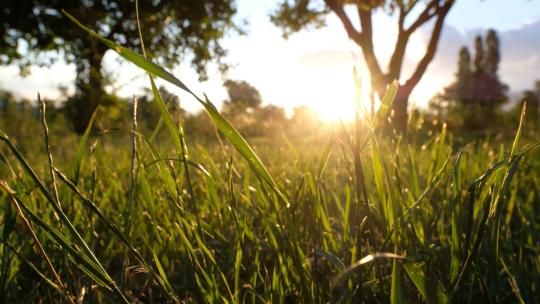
point(432, 9)
point(394, 66)
point(411, 5)
point(432, 46)
point(366, 22)
point(352, 32)
point(363, 38)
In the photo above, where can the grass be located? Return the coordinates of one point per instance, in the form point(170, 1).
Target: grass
point(358, 216)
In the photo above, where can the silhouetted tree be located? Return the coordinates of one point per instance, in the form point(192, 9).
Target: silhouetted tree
point(171, 30)
point(293, 15)
point(479, 61)
point(271, 120)
point(493, 55)
point(464, 72)
point(244, 108)
point(472, 100)
point(243, 97)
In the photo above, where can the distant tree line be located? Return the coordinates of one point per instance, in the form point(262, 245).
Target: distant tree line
point(243, 107)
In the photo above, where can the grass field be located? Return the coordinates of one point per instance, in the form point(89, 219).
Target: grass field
point(355, 216)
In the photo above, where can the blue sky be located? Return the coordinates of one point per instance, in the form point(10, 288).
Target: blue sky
point(315, 67)
point(502, 15)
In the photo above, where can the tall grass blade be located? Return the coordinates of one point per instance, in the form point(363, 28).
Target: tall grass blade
point(221, 122)
point(348, 272)
point(431, 291)
point(81, 148)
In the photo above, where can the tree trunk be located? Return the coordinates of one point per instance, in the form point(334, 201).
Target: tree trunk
point(400, 117)
point(89, 85)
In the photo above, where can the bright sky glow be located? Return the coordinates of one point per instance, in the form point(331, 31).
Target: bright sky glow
point(311, 68)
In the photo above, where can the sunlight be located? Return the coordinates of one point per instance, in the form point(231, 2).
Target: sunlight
point(341, 103)
point(336, 94)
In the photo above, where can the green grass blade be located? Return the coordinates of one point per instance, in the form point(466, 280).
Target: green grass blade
point(173, 131)
point(456, 248)
point(82, 147)
point(224, 126)
point(348, 272)
point(133, 57)
point(395, 291)
point(85, 264)
point(325, 157)
point(518, 133)
point(161, 270)
point(432, 292)
point(387, 100)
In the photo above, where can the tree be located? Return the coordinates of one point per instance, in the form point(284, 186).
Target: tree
point(475, 95)
point(463, 75)
point(240, 107)
point(172, 30)
point(493, 55)
point(479, 60)
point(243, 97)
point(292, 16)
point(270, 120)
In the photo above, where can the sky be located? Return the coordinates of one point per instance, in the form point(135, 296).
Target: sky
point(314, 67)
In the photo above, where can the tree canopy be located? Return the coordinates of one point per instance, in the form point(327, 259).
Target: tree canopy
point(173, 31)
point(293, 15)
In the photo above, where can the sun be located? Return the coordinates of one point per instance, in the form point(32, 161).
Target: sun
point(338, 94)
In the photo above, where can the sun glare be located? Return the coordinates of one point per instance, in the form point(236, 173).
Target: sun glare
point(338, 95)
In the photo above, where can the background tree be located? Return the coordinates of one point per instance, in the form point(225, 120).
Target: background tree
point(243, 97)
point(493, 55)
point(240, 107)
point(271, 120)
point(532, 97)
point(472, 100)
point(479, 60)
point(464, 72)
point(173, 30)
point(244, 108)
point(294, 15)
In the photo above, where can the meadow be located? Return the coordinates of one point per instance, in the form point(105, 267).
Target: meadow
point(354, 214)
